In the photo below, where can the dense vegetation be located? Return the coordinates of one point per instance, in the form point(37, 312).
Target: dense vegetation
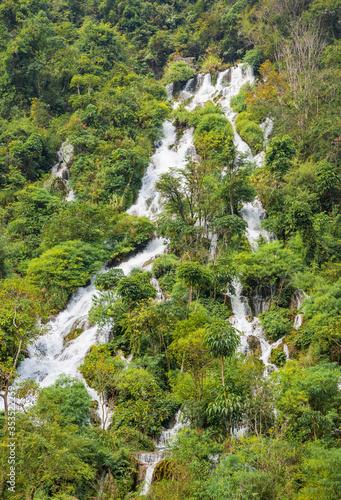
point(92, 75)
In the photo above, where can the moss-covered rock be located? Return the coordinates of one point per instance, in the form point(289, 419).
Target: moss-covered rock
point(73, 335)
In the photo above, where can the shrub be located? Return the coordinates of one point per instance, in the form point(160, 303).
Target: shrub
point(276, 322)
point(238, 101)
point(213, 121)
point(211, 64)
point(251, 133)
point(165, 264)
point(178, 72)
point(254, 58)
point(66, 267)
point(278, 357)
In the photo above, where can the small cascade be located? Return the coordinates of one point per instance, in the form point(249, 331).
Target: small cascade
point(160, 297)
point(260, 303)
point(188, 90)
point(213, 246)
point(286, 351)
point(298, 321)
point(61, 169)
point(267, 126)
point(199, 81)
point(169, 154)
point(170, 90)
point(65, 154)
point(250, 327)
point(205, 91)
point(149, 460)
point(253, 213)
point(297, 299)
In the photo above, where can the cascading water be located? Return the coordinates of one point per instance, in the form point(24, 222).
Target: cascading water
point(150, 460)
point(49, 356)
point(61, 169)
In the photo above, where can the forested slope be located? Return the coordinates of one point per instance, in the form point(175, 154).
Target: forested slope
point(92, 76)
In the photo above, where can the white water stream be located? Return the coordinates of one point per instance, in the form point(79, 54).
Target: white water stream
point(151, 459)
point(61, 168)
point(49, 356)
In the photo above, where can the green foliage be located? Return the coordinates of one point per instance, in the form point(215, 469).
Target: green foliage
point(272, 265)
point(164, 264)
point(308, 401)
point(279, 155)
point(90, 73)
point(213, 121)
point(278, 357)
point(135, 288)
point(64, 268)
point(276, 322)
point(140, 406)
point(109, 280)
point(250, 131)
point(254, 58)
point(238, 101)
point(66, 402)
point(178, 72)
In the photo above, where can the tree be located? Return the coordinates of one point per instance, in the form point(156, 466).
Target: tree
point(308, 400)
point(139, 405)
point(222, 340)
point(57, 456)
point(21, 306)
point(101, 371)
point(279, 155)
point(193, 355)
point(328, 182)
point(65, 267)
point(147, 325)
point(66, 401)
point(272, 265)
point(135, 288)
point(194, 275)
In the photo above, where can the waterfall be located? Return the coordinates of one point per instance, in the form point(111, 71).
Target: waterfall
point(49, 356)
point(151, 459)
point(60, 169)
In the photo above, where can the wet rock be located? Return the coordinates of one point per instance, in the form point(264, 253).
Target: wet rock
point(150, 261)
point(254, 343)
point(80, 323)
point(296, 299)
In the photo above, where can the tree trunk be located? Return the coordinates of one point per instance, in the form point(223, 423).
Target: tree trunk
point(190, 296)
point(196, 303)
point(231, 200)
point(222, 372)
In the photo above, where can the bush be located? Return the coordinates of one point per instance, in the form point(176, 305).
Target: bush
point(278, 357)
point(130, 232)
point(213, 121)
point(254, 58)
point(238, 101)
point(276, 322)
point(250, 132)
point(178, 72)
point(66, 267)
point(109, 280)
point(211, 64)
point(165, 264)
